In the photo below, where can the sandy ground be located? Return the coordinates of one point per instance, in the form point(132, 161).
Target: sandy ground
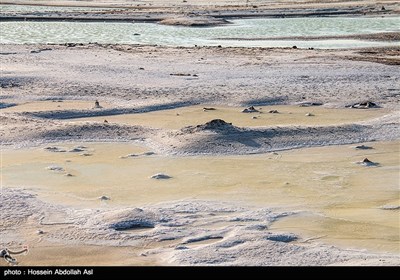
point(135, 79)
point(275, 187)
point(207, 5)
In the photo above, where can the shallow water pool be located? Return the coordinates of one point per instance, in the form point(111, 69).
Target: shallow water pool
point(228, 35)
point(338, 201)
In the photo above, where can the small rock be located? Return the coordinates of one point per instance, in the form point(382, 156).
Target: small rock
point(129, 156)
point(208, 109)
point(294, 47)
point(141, 68)
point(55, 168)
point(273, 112)
point(41, 50)
point(363, 147)
point(367, 162)
point(160, 176)
point(76, 150)
point(103, 197)
point(97, 105)
point(251, 109)
point(85, 154)
point(136, 34)
point(309, 115)
point(254, 118)
point(68, 175)
point(105, 121)
point(39, 231)
point(55, 149)
point(181, 247)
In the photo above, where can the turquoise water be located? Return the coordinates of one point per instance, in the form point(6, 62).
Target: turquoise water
point(156, 34)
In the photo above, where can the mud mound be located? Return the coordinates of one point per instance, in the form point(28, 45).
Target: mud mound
point(126, 219)
point(213, 125)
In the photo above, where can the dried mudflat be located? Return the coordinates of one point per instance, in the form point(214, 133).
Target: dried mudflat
point(283, 188)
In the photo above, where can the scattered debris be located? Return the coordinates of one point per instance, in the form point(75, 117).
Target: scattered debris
point(309, 104)
point(41, 50)
point(180, 74)
point(364, 105)
point(72, 45)
point(273, 112)
point(55, 149)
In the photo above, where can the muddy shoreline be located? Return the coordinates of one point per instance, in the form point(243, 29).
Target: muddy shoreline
point(383, 36)
point(154, 13)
